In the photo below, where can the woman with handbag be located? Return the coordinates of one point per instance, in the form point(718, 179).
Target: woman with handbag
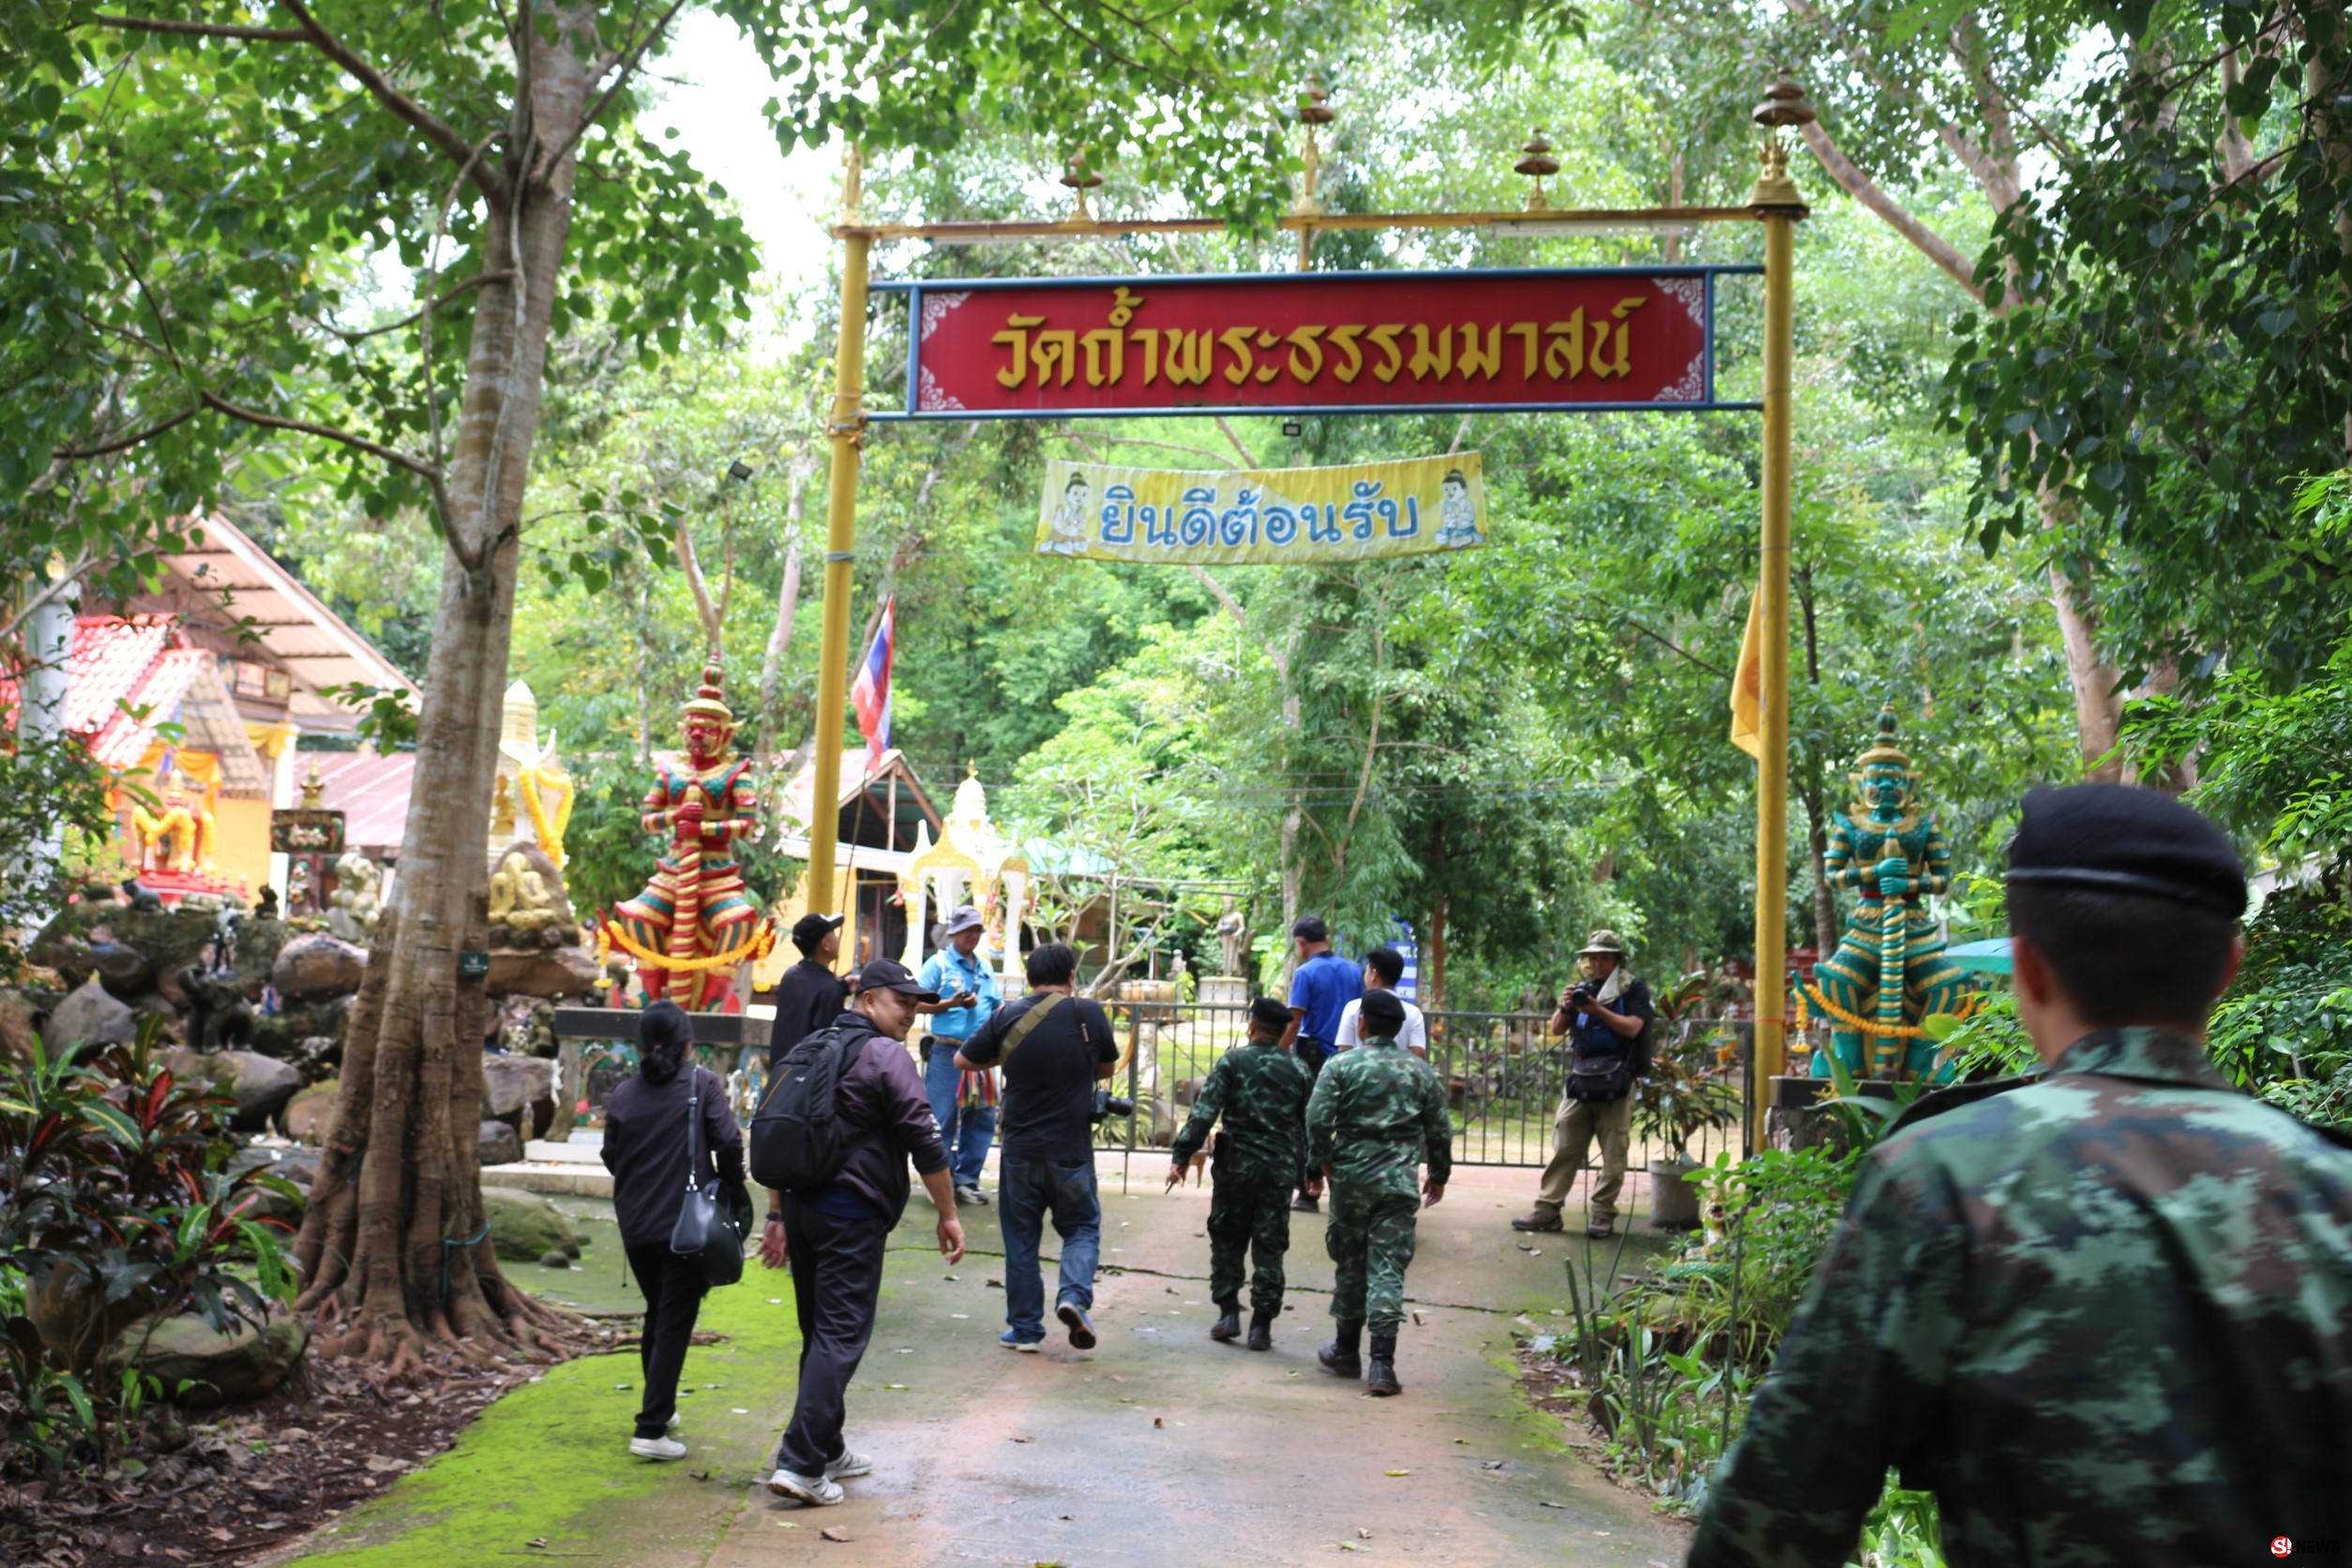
point(671, 1144)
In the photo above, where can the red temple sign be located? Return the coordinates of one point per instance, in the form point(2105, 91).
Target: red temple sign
point(1371, 341)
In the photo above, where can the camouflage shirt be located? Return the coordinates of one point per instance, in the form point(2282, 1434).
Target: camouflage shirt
point(2107, 1318)
point(1372, 1111)
point(1260, 1091)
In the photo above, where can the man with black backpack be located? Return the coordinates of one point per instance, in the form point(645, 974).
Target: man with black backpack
point(1607, 1018)
point(842, 1118)
point(1053, 1048)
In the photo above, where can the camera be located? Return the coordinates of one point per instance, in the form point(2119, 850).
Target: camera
point(1107, 1105)
point(1583, 992)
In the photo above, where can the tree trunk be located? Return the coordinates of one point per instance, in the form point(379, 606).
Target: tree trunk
point(2098, 710)
point(771, 717)
point(392, 1251)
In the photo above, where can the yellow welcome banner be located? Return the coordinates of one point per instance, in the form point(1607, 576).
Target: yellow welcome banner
point(1260, 516)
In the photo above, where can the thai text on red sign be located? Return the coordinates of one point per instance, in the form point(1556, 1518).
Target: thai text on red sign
point(1316, 340)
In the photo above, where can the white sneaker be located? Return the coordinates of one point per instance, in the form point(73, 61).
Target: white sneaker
point(658, 1448)
point(812, 1491)
point(675, 1419)
point(849, 1466)
point(971, 1197)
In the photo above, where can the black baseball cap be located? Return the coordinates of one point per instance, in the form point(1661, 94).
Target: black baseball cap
point(882, 974)
point(810, 929)
point(2120, 839)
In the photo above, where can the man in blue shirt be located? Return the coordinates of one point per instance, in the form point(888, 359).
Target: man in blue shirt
point(1320, 988)
point(963, 1103)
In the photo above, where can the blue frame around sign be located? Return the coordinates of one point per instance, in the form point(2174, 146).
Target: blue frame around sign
point(915, 288)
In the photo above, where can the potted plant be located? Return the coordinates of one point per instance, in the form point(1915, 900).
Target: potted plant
point(1685, 1094)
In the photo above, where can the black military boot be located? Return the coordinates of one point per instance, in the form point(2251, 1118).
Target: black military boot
point(1262, 1330)
point(1229, 1323)
point(1379, 1375)
point(1342, 1355)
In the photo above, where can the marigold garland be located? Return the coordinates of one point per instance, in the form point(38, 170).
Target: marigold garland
point(550, 836)
point(1872, 1026)
point(757, 946)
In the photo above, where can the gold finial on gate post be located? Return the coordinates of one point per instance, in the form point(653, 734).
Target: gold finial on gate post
point(1538, 163)
point(1079, 179)
point(1314, 110)
point(1784, 104)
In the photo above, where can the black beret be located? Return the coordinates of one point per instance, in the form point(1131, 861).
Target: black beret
point(1273, 1014)
point(2115, 839)
point(1383, 1013)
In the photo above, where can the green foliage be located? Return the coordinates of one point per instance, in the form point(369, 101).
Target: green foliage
point(1786, 1205)
point(116, 1204)
point(49, 786)
point(1687, 1091)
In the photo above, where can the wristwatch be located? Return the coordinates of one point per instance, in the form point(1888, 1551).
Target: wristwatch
point(775, 1216)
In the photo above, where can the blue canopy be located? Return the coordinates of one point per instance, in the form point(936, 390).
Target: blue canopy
point(1989, 957)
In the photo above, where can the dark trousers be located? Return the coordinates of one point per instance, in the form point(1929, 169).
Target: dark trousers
point(1249, 1212)
point(673, 1288)
point(1314, 1053)
point(836, 1278)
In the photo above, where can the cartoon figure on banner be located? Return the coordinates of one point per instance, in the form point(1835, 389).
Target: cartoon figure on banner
point(1457, 515)
point(1070, 522)
point(695, 922)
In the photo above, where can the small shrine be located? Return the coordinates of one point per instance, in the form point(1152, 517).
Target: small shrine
point(970, 864)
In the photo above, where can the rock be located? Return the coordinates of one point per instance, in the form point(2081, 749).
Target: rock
point(306, 1113)
point(91, 1013)
point(219, 1017)
point(556, 1261)
point(245, 1364)
point(523, 1226)
point(123, 971)
point(260, 1085)
point(1162, 1132)
point(168, 939)
point(1189, 1091)
point(18, 1031)
point(549, 972)
point(316, 967)
point(510, 1084)
point(501, 1144)
point(298, 1165)
point(258, 942)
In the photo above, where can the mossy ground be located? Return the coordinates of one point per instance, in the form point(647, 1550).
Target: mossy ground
point(548, 1462)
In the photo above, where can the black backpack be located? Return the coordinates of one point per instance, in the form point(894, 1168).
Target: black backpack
point(796, 1140)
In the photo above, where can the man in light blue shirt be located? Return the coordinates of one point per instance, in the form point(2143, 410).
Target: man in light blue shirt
point(1320, 988)
point(963, 1103)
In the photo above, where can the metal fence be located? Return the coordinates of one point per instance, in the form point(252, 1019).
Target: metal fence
point(1503, 1074)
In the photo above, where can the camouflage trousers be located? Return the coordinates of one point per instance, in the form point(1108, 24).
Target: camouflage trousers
point(1370, 1240)
point(1250, 1213)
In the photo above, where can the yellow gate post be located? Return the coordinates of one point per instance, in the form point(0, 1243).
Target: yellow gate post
point(1779, 206)
point(846, 428)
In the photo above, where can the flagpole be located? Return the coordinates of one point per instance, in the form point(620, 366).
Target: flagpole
point(846, 429)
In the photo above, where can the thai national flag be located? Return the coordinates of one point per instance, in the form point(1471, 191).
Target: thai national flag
point(870, 692)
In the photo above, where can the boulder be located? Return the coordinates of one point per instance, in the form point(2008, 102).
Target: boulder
point(317, 967)
point(501, 1144)
point(260, 1085)
point(298, 1165)
point(524, 1226)
point(123, 971)
point(18, 1032)
point(92, 1013)
point(1159, 1131)
point(1189, 1091)
point(168, 939)
point(248, 1363)
point(557, 1260)
point(550, 973)
point(306, 1113)
point(510, 1084)
point(257, 944)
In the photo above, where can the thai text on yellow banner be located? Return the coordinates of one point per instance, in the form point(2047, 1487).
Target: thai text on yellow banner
point(1262, 516)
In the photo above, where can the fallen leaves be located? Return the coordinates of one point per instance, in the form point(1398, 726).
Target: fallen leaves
point(1396, 1473)
point(836, 1533)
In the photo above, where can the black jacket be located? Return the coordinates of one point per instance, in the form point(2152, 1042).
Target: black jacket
point(645, 1149)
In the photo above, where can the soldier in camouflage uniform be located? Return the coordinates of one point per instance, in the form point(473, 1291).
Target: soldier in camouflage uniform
point(2103, 1313)
point(1260, 1089)
point(1372, 1111)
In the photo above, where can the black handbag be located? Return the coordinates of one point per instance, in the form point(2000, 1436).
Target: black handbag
point(715, 1216)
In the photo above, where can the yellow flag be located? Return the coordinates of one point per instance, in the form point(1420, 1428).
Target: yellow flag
point(1747, 685)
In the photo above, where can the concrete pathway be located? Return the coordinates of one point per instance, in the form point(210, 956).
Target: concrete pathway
point(1162, 1447)
point(1159, 1447)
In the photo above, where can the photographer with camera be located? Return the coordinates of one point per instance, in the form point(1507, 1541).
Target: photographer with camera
point(1052, 1049)
point(1607, 1018)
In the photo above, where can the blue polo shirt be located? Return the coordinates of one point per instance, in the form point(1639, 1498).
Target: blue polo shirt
point(1323, 985)
point(948, 972)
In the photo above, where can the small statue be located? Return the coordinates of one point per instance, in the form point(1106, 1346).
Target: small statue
point(522, 897)
point(1230, 929)
point(177, 836)
point(357, 900)
point(695, 907)
point(1895, 857)
point(298, 898)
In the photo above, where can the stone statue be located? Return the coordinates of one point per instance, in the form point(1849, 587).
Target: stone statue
point(696, 908)
point(358, 899)
point(521, 896)
point(1894, 855)
point(1231, 929)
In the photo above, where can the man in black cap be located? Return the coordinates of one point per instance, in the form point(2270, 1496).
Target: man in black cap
point(836, 1235)
point(809, 996)
point(2103, 1313)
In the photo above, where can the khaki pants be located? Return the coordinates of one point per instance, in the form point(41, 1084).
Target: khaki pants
point(1573, 1131)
